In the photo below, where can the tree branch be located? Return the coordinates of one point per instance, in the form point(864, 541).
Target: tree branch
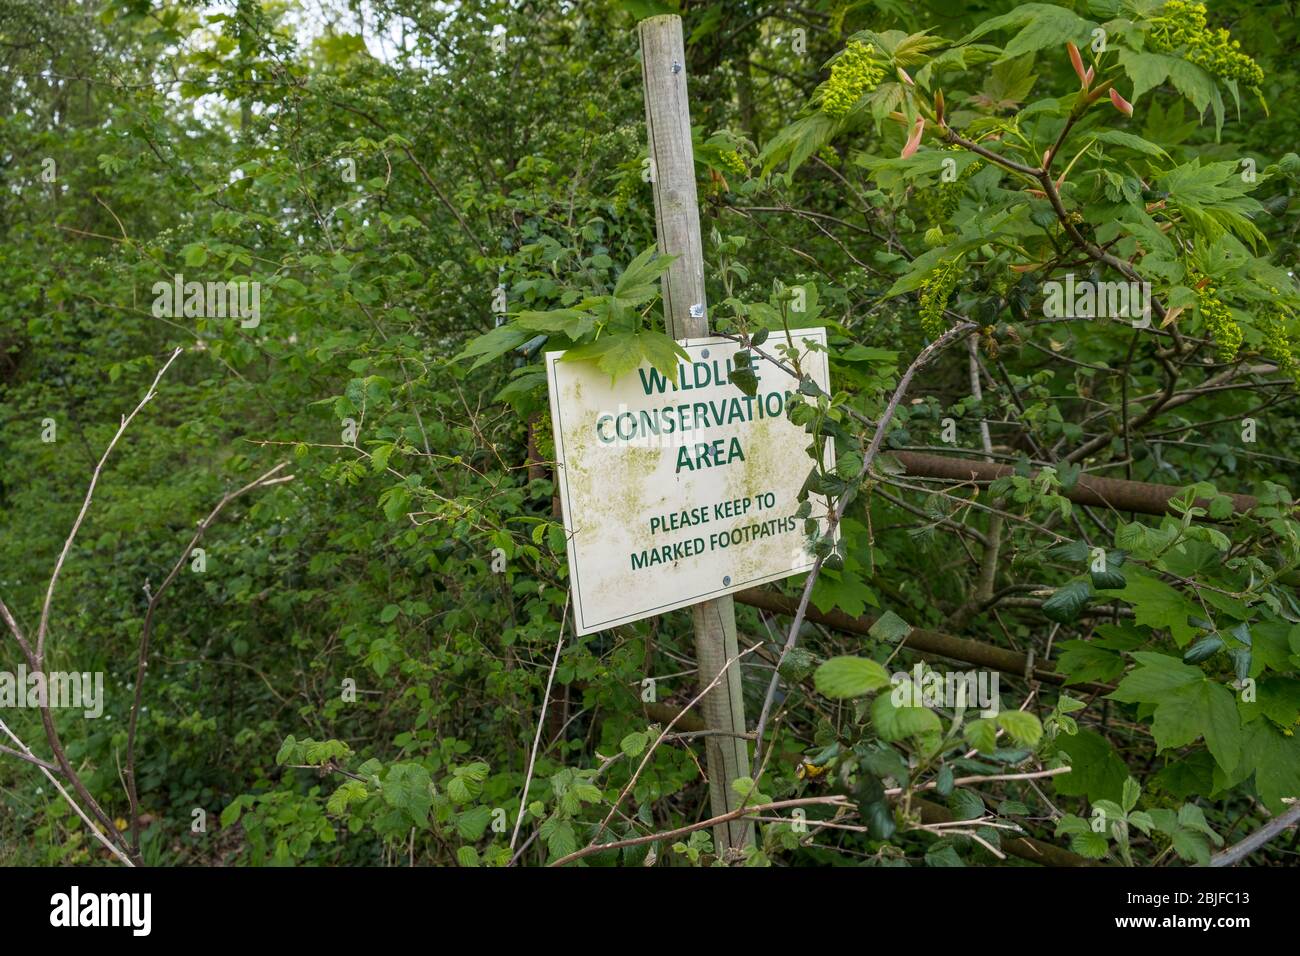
point(954, 334)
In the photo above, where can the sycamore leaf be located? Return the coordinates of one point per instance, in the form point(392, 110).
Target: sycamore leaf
point(1274, 757)
point(617, 353)
point(1040, 25)
point(492, 345)
point(889, 627)
point(1156, 604)
point(1118, 137)
point(1155, 677)
point(1204, 709)
point(637, 283)
point(573, 323)
point(844, 590)
point(1096, 770)
point(797, 141)
point(1084, 663)
point(1187, 706)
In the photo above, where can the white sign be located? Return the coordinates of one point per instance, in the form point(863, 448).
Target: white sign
point(676, 494)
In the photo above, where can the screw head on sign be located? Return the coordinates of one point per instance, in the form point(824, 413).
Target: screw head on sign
point(677, 67)
point(704, 353)
point(726, 580)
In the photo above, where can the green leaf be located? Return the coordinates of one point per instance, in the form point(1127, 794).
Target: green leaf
point(1066, 604)
point(407, 786)
point(559, 836)
point(879, 815)
point(966, 805)
point(982, 734)
point(890, 628)
point(942, 854)
point(1040, 25)
point(395, 501)
point(195, 254)
point(843, 677)
point(1119, 137)
point(1096, 771)
point(1187, 706)
point(1204, 709)
point(1203, 649)
point(1274, 757)
point(492, 345)
point(1090, 844)
point(793, 144)
point(570, 322)
point(230, 816)
point(472, 823)
point(943, 781)
point(896, 723)
point(841, 589)
point(1108, 580)
point(1129, 798)
point(1023, 727)
point(1084, 663)
point(637, 283)
point(350, 792)
point(617, 353)
point(634, 743)
point(745, 379)
point(1156, 604)
point(798, 664)
point(467, 856)
point(1191, 846)
point(1192, 817)
point(1154, 678)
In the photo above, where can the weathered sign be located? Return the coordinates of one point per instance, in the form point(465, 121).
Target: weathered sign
point(679, 493)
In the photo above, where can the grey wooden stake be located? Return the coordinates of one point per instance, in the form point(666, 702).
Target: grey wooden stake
point(677, 220)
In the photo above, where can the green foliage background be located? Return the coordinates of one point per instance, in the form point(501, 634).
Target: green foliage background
point(498, 149)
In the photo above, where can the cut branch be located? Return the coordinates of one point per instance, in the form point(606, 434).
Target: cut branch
point(954, 334)
point(1115, 493)
point(924, 641)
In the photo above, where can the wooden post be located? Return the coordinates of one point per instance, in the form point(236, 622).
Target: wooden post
point(677, 220)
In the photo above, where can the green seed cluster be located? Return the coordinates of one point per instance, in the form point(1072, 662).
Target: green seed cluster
point(733, 163)
point(935, 294)
point(1219, 321)
point(950, 193)
point(1181, 25)
point(856, 73)
point(628, 189)
point(1277, 343)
